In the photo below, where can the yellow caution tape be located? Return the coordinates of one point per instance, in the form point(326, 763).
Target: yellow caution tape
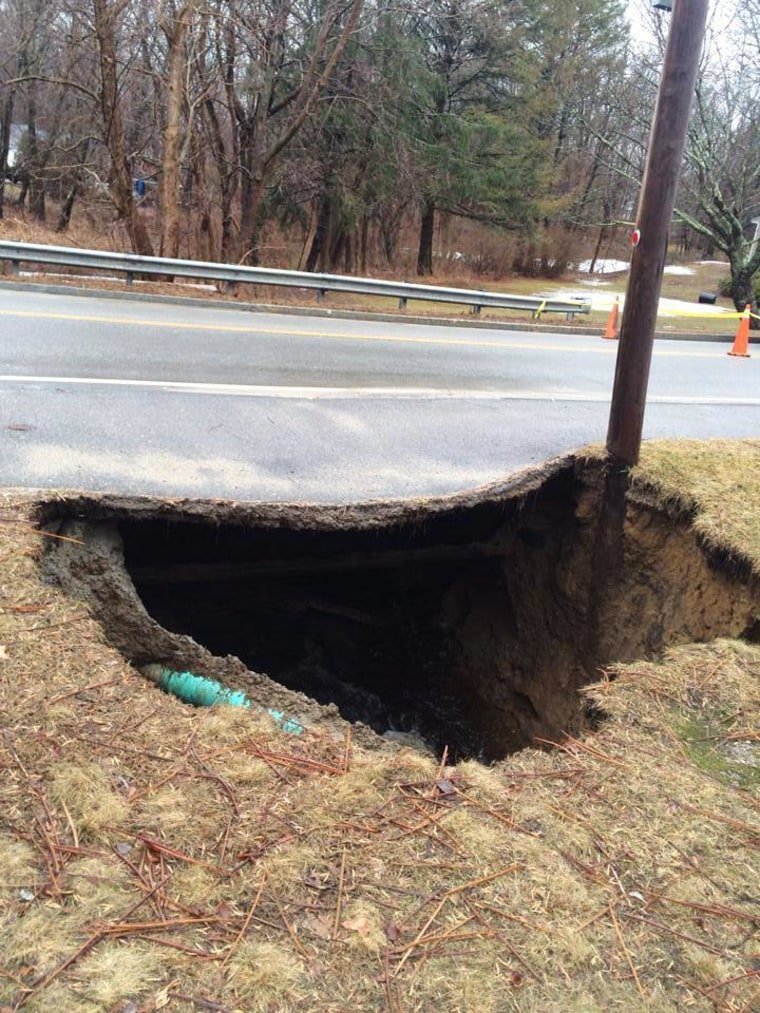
point(668, 312)
point(727, 315)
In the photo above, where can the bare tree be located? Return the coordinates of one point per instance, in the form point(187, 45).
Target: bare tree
point(105, 17)
point(275, 62)
point(723, 156)
point(23, 69)
point(176, 27)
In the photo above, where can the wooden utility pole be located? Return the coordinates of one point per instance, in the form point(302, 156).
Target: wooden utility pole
point(666, 145)
point(658, 192)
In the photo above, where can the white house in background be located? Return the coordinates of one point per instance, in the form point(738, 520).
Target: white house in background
point(18, 130)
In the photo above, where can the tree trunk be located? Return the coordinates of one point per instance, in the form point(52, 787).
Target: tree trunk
point(23, 189)
point(6, 143)
point(607, 211)
point(120, 176)
point(227, 181)
point(37, 199)
point(349, 253)
point(173, 136)
point(66, 208)
point(364, 245)
point(250, 208)
point(744, 294)
point(427, 232)
point(34, 162)
point(337, 249)
point(389, 221)
point(308, 239)
point(319, 242)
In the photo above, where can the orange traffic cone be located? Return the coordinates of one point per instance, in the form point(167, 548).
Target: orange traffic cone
point(741, 341)
point(611, 330)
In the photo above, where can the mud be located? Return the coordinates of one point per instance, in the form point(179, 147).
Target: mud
point(461, 622)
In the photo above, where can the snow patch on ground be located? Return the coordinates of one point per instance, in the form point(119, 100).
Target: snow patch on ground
point(617, 266)
point(680, 307)
point(603, 301)
point(604, 266)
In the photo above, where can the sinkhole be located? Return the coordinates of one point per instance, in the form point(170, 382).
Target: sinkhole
point(461, 623)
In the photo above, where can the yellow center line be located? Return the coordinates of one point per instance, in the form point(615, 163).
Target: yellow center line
point(606, 348)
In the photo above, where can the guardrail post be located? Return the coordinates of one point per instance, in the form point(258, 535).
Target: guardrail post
point(476, 310)
point(16, 267)
point(130, 277)
point(321, 293)
point(402, 302)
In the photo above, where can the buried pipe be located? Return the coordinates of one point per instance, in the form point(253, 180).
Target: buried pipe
point(202, 692)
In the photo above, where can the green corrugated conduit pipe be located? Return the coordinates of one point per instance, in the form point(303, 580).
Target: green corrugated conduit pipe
point(202, 692)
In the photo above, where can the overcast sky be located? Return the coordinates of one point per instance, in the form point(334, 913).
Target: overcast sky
point(721, 19)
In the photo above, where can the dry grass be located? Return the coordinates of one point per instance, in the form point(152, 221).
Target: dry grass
point(160, 857)
point(716, 481)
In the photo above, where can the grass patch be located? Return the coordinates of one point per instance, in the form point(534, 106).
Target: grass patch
point(734, 758)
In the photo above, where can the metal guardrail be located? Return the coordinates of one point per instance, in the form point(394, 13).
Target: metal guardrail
point(130, 264)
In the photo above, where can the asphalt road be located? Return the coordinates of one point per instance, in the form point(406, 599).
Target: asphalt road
point(144, 397)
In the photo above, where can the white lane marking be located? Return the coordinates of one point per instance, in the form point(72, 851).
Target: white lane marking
point(354, 393)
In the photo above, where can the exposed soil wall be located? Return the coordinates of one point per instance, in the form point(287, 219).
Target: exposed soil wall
point(462, 622)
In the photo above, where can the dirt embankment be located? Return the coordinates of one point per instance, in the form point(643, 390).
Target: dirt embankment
point(463, 623)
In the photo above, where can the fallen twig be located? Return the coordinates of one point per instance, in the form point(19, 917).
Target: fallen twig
point(158, 846)
point(511, 917)
point(476, 910)
point(288, 760)
point(680, 935)
point(290, 930)
point(83, 689)
point(626, 951)
point(203, 1003)
point(172, 944)
point(495, 814)
point(746, 828)
point(484, 879)
point(247, 922)
point(719, 910)
point(730, 981)
point(129, 928)
point(571, 746)
point(408, 949)
point(53, 974)
point(46, 628)
point(339, 901)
